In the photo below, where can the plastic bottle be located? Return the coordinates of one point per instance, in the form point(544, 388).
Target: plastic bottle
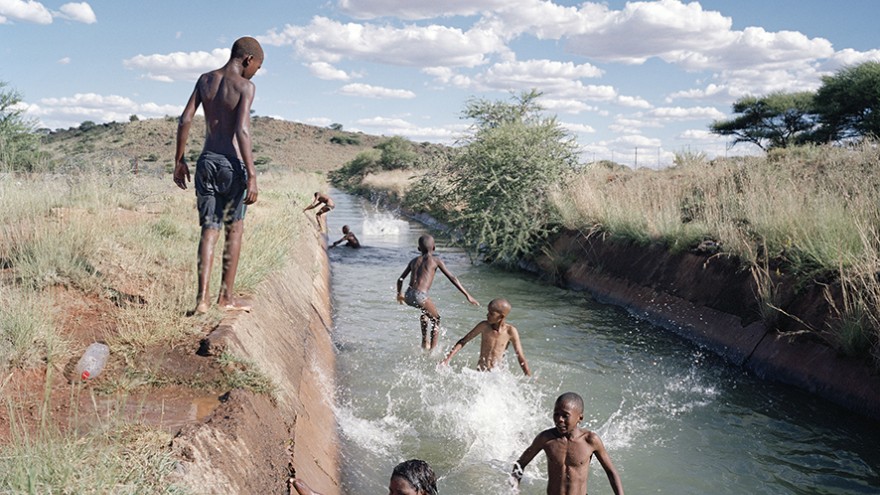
point(92, 361)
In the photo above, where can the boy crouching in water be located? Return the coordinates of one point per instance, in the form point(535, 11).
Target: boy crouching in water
point(496, 335)
point(569, 450)
point(422, 269)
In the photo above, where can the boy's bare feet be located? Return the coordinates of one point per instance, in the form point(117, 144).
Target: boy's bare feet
point(236, 304)
point(297, 486)
point(202, 308)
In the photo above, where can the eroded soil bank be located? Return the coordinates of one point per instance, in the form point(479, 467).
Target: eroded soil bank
point(252, 442)
point(711, 300)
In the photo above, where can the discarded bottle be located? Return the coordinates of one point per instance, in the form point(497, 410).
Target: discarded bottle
point(92, 361)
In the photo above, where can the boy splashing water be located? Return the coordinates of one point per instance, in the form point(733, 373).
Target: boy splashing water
point(422, 269)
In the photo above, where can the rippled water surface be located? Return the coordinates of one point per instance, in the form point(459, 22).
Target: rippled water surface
point(675, 419)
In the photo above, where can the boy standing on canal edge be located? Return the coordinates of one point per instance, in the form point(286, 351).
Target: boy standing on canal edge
point(422, 269)
point(225, 178)
point(496, 335)
point(321, 199)
point(569, 450)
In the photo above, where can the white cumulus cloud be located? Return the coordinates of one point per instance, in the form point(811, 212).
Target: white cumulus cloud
point(71, 111)
point(178, 66)
point(79, 12)
point(327, 40)
point(323, 70)
point(24, 10)
point(369, 91)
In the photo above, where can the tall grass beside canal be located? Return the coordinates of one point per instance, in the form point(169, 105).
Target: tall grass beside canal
point(811, 211)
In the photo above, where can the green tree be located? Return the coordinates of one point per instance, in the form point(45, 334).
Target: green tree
point(777, 120)
point(397, 153)
point(496, 188)
point(19, 143)
point(848, 103)
point(335, 126)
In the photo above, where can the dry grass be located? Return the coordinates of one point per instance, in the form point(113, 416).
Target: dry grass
point(394, 183)
point(130, 240)
point(808, 209)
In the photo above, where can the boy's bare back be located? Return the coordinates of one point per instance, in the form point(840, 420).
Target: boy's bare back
point(422, 269)
point(221, 93)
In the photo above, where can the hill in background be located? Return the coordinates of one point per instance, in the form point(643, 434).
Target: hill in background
point(150, 144)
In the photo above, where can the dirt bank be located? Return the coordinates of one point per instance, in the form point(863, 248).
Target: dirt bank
point(711, 300)
point(252, 442)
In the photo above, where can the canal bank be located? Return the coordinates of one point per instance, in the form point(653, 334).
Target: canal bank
point(712, 301)
point(252, 443)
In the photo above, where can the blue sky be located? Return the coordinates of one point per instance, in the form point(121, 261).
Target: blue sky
point(631, 80)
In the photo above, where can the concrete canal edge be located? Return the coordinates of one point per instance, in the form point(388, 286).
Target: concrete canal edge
point(252, 442)
point(711, 301)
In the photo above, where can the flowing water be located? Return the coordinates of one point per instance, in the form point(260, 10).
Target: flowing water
point(674, 418)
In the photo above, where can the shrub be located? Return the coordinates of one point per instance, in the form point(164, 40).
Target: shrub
point(497, 188)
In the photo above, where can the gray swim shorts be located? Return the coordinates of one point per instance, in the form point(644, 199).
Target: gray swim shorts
point(415, 297)
point(221, 186)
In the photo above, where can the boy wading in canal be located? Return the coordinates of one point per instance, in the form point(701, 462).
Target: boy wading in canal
point(495, 337)
point(569, 450)
point(422, 269)
point(225, 178)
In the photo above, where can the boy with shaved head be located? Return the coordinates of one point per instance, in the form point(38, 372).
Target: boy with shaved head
point(225, 178)
point(422, 269)
point(569, 450)
point(496, 335)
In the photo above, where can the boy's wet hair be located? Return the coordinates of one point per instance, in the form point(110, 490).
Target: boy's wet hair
point(345, 228)
point(245, 46)
point(571, 398)
point(418, 474)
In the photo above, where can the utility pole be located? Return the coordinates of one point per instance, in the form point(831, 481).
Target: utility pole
point(637, 157)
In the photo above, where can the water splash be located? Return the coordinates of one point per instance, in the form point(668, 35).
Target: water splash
point(382, 224)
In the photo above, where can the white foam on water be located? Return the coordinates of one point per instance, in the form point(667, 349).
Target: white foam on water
point(384, 224)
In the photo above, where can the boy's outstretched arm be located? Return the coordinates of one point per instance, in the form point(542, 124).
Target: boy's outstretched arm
point(455, 282)
point(461, 343)
point(520, 465)
point(608, 466)
point(520, 355)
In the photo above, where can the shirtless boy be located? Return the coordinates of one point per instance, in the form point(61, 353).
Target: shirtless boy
point(495, 337)
point(225, 178)
point(321, 199)
point(569, 450)
point(348, 237)
point(423, 268)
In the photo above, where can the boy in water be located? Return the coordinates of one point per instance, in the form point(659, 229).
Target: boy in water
point(496, 335)
point(225, 178)
point(569, 450)
point(349, 238)
point(321, 199)
point(412, 477)
point(423, 269)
